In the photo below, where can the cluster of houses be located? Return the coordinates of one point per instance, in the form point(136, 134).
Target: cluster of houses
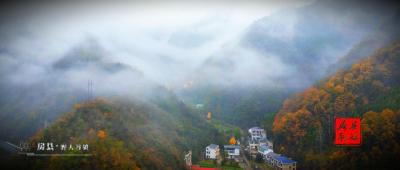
point(231, 151)
point(259, 144)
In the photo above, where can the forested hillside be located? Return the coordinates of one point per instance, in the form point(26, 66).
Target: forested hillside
point(142, 83)
point(370, 89)
point(126, 134)
point(286, 52)
point(237, 106)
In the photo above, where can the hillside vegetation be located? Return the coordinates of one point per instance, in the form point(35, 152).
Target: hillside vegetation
point(126, 134)
point(303, 128)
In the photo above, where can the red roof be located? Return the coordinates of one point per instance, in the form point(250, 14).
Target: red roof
point(197, 167)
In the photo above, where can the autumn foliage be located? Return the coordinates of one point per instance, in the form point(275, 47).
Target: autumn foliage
point(101, 134)
point(209, 114)
point(303, 128)
point(128, 134)
point(232, 141)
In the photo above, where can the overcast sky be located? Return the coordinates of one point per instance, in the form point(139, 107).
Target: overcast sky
point(164, 40)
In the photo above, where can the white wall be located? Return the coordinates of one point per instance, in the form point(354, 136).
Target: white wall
point(211, 153)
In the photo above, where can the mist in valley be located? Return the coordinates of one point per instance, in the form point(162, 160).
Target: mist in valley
point(142, 50)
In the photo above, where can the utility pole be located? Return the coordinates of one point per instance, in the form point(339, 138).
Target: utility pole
point(90, 83)
point(89, 90)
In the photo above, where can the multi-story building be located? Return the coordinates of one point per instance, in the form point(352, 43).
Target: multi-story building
point(212, 151)
point(232, 151)
point(257, 133)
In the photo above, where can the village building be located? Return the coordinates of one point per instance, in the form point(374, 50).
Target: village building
point(212, 151)
point(264, 150)
point(232, 151)
point(258, 137)
point(257, 133)
point(280, 162)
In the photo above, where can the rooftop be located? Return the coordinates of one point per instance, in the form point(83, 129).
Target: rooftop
point(255, 128)
point(285, 160)
point(213, 146)
point(273, 155)
point(231, 146)
point(264, 149)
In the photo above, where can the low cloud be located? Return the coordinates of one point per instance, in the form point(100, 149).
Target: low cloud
point(154, 44)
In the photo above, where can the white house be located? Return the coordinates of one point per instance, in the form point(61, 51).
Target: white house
point(255, 144)
point(257, 133)
point(264, 150)
point(232, 151)
point(212, 151)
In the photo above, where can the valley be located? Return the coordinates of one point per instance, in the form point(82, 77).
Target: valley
point(244, 85)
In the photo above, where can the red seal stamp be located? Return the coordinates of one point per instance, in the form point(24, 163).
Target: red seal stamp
point(348, 131)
